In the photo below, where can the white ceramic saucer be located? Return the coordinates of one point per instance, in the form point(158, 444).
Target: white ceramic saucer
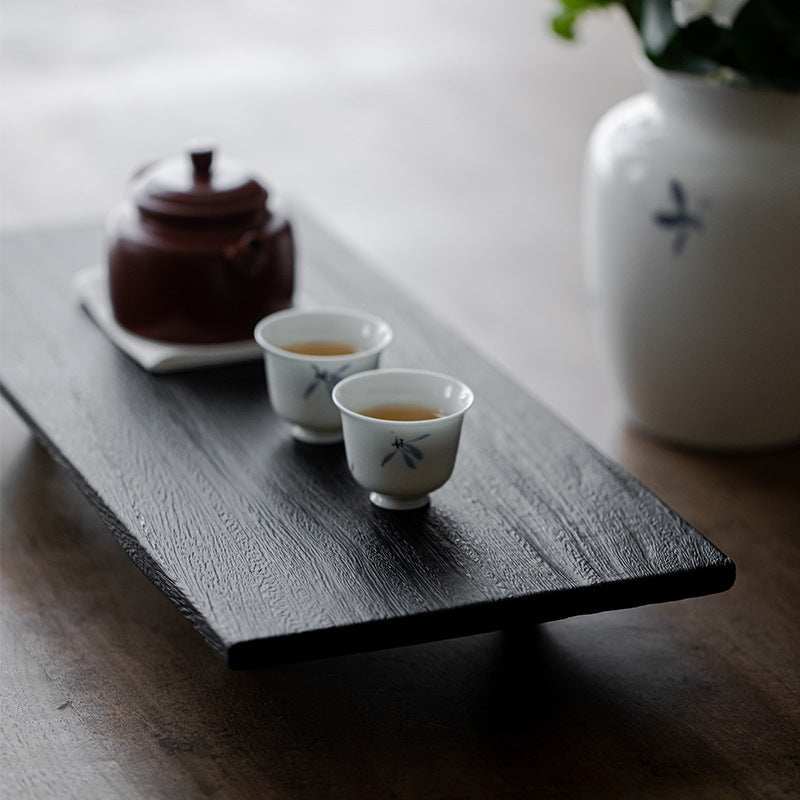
point(91, 285)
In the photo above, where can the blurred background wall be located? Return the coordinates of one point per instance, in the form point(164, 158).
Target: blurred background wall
point(442, 139)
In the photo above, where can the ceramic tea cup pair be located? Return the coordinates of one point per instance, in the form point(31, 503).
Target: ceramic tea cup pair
point(322, 375)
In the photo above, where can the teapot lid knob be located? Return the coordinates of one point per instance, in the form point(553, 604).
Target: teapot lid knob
point(199, 183)
point(201, 152)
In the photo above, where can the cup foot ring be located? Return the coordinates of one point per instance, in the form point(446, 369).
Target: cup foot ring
point(311, 436)
point(393, 503)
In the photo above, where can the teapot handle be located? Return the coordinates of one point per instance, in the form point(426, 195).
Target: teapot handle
point(244, 256)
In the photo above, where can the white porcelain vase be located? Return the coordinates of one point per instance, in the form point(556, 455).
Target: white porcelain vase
point(691, 238)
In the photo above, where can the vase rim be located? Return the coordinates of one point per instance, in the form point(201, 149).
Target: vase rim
point(697, 100)
point(724, 79)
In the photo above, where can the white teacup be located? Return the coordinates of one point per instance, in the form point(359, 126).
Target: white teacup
point(300, 384)
point(399, 462)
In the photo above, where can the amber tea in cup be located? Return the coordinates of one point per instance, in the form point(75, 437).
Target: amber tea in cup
point(401, 412)
point(320, 347)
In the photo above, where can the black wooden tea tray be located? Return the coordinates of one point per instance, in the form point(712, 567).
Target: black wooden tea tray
point(268, 546)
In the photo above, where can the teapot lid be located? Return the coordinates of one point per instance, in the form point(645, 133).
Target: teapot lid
point(198, 184)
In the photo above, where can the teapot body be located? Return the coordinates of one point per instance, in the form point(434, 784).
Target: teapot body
point(197, 257)
point(197, 284)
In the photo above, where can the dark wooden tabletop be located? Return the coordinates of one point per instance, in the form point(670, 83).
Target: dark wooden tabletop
point(441, 139)
point(108, 687)
point(268, 546)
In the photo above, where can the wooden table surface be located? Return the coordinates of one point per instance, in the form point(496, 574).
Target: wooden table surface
point(443, 140)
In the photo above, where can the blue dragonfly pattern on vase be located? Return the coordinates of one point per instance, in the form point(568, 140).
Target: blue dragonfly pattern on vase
point(680, 220)
point(324, 378)
point(407, 449)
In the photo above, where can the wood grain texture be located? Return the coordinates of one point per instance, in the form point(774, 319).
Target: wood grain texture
point(269, 547)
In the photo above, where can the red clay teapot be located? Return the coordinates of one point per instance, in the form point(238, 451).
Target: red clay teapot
point(195, 254)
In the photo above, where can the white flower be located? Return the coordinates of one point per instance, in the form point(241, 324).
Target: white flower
point(722, 12)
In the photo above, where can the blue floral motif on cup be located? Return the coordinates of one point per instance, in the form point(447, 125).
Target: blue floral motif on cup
point(406, 449)
point(324, 378)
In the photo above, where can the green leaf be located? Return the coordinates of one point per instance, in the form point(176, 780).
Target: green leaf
point(563, 23)
point(766, 40)
point(700, 48)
